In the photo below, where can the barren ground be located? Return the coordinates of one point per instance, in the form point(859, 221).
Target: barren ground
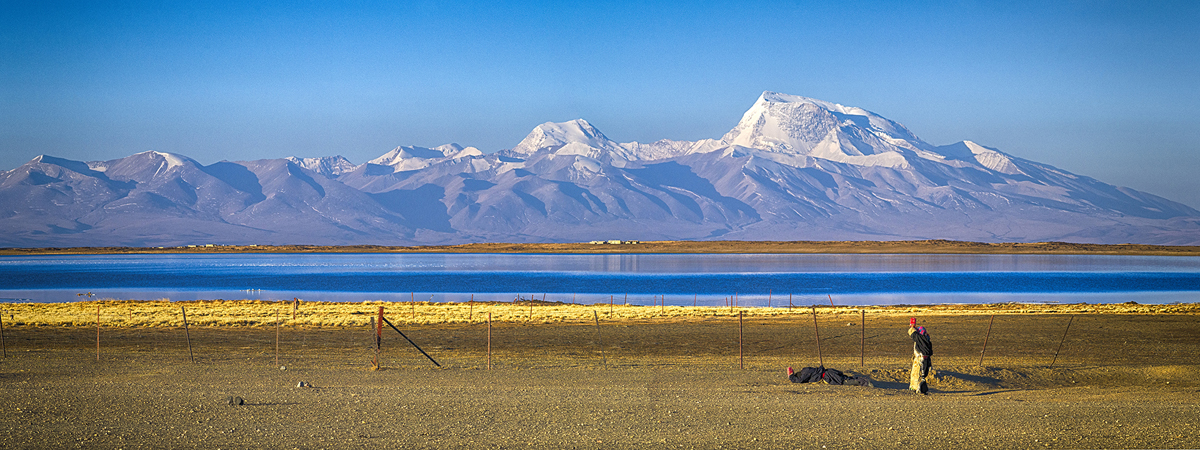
point(1120, 381)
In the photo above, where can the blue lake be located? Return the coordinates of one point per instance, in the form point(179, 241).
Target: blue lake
point(708, 279)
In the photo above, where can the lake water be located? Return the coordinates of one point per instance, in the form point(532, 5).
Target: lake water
point(708, 279)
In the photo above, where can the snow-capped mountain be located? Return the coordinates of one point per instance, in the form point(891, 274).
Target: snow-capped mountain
point(328, 166)
point(793, 168)
point(407, 158)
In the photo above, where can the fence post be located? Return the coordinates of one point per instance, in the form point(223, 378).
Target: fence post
point(820, 357)
point(97, 331)
point(599, 339)
point(862, 349)
point(187, 333)
point(741, 355)
point(1060, 342)
point(3, 345)
point(489, 341)
point(277, 336)
point(378, 339)
point(985, 339)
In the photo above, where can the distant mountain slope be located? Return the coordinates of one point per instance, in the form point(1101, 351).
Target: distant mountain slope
point(793, 168)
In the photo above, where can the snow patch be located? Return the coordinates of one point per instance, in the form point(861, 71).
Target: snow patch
point(172, 159)
point(467, 153)
point(993, 159)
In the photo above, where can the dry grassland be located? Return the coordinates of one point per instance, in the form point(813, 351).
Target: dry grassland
point(260, 313)
point(1125, 376)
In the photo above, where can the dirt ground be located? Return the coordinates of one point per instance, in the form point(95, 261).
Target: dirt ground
point(1119, 381)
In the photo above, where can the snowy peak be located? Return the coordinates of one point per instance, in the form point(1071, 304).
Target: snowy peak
point(573, 137)
point(803, 126)
point(144, 166)
point(666, 148)
point(794, 168)
point(795, 124)
point(329, 166)
point(172, 160)
point(413, 158)
point(846, 114)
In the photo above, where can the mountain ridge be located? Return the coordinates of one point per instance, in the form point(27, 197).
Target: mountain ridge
point(793, 168)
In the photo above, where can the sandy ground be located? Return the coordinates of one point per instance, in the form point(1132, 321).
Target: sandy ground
point(1120, 381)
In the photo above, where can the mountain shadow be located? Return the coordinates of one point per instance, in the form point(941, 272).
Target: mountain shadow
point(421, 207)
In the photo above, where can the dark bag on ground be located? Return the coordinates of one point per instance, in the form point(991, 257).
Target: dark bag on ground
point(815, 374)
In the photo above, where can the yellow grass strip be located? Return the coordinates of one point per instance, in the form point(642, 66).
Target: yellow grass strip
point(259, 313)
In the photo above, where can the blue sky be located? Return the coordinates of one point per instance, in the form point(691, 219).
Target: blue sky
point(1104, 89)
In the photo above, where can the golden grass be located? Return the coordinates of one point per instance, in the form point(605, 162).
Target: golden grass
point(258, 313)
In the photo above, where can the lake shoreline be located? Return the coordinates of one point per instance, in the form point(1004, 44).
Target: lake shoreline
point(642, 247)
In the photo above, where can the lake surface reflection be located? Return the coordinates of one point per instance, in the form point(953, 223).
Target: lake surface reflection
point(708, 279)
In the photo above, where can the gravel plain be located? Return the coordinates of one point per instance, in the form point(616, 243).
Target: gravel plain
point(1119, 381)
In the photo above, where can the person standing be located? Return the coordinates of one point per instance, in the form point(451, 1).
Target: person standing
point(922, 357)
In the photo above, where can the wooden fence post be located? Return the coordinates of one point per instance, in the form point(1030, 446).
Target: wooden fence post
point(188, 334)
point(741, 355)
point(600, 339)
point(489, 341)
point(97, 331)
point(277, 336)
point(862, 349)
point(378, 339)
point(3, 345)
point(820, 357)
point(1060, 342)
point(985, 339)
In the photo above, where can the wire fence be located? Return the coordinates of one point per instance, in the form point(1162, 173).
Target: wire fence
point(599, 336)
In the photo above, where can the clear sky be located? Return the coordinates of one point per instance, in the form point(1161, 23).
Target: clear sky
point(1104, 89)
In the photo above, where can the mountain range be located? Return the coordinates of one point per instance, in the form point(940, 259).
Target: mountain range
point(793, 168)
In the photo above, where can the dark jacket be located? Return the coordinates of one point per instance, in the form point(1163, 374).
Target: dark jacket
point(921, 342)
